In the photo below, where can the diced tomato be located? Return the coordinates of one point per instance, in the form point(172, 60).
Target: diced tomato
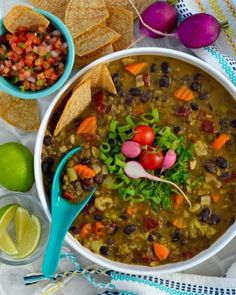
point(17, 49)
point(29, 60)
point(99, 102)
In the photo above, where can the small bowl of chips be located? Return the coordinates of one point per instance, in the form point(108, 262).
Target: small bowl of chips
point(36, 53)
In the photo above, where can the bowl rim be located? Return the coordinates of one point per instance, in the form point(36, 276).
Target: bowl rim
point(58, 24)
point(118, 266)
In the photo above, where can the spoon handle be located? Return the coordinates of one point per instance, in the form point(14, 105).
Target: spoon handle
point(57, 235)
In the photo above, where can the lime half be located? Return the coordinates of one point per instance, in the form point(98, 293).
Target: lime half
point(22, 221)
point(31, 238)
point(7, 245)
point(6, 215)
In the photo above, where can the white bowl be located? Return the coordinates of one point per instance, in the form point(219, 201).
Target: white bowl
point(117, 266)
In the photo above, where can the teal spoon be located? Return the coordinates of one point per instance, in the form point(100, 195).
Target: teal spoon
point(63, 214)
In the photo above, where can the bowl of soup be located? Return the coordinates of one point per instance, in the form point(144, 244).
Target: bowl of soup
point(174, 115)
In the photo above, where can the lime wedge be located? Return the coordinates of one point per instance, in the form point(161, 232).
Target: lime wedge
point(6, 215)
point(7, 245)
point(22, 220)
point(31, 238)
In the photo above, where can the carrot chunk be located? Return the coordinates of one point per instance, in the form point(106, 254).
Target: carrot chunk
point(99, 229)
point(84, 172)
point(88, 125)
point(178, 200)
point(220, 141)
point(215, 198)
point(161, 251)
point(179, 223)
point(136, 68)
point(184, 93)
point(86, 231)
point(131, 211)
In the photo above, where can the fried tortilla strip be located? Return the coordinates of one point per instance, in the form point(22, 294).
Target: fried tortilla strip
point(121, 21)
point(82, 15)
point(57, 7)
point(139, 4)
point(94, 39)
point(100, 77)
point(20, 113)
point(79, 100)
point(88, 58)
point(22, 16)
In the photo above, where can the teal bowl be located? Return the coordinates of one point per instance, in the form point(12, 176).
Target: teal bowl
point(10, 88)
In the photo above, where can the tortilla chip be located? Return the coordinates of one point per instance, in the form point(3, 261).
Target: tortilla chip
point(57, 7)
point(20, 113)
point(139, 4)
point(79, 100)
point(82, 15)
point(99, 76)
point(22, 16)
point(88, 58)
point(94, 39)
point(121, 21)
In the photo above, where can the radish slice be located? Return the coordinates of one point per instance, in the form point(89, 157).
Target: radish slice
point(169, 160)
point(131, 149)
point(135, 170)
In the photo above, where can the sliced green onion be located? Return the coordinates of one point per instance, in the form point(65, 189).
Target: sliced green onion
point(130, 121)
point(137, 198)
point(111, 141)
point(113, 126)
point(105, 147)
point(118, 183)
point(152, 117)
point(124, 128)
point(103, 157)
point(119, 162)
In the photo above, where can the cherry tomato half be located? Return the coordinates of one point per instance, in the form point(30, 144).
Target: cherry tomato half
point(151, 159)
point(144, 135)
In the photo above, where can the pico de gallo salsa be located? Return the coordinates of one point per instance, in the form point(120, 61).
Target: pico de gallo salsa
point(33, 60)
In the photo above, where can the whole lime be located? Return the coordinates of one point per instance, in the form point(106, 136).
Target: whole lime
point(16, 167)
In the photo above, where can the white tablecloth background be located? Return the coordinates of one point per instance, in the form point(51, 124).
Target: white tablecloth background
point(11, 278)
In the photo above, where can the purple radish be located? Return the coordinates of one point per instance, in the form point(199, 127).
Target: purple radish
point(131, 149)
point(161, 16)
point(135, 170)
point(169, 160)
point(198, 30)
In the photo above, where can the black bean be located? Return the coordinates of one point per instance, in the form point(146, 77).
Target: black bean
point(87, 184)
point(151, 238)
point(233, 123)
point(176, 129)
point(129, 229)
point(197, 76)
point(164, 82)
point(98, 217)
point(153, 68)
point(135, 91)
point(85, 161)
point(116, 78)
point(47, 140)
point(224, 175)
point(74, 229)
point(176, 235)
point(165, 67)
point(209, 166)
point(129, 100)
point(194, 106)
point(204, 214)
point(203, 95)
point(98, 178)
point(146, 96)
point(46, 165)
point(120, 91)
point(196, 86)
point(214, 219)
point(104, 250)
point(221, 162)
